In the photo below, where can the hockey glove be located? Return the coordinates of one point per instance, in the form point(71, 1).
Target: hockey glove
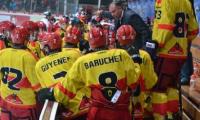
point(151, 47)
point(45, 93)
point(134, 53)
point(137, 91)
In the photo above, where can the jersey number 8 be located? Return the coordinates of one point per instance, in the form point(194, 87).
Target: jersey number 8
point(181, 26)
point(108, 81)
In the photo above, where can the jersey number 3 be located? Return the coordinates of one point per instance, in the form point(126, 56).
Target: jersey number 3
point(11, 81)
point(108, 81)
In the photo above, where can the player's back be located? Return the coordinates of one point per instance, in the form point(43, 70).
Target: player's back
point(18, 76)
point(108, 68)
point(108, 74)
point(54, 67)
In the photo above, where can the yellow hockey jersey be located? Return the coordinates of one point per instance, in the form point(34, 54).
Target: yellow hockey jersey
point(147, 69)
point(174, 26)
point(106, 70)
point(54, 67)
point(18, 79)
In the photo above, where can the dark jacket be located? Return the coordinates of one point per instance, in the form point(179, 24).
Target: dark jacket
point(133, 19)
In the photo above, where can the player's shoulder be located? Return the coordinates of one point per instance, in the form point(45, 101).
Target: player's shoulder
point(29, 55)
point(143, 52)
point(71, 51)
point(102, 53)
point(4, 50)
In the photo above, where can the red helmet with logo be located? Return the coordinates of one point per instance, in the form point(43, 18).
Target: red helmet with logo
point(19, 35)
point(41, 25)
point(97, 38)
point(6, 26)
point(126, 34)
point(52, 40)
point(30, 26)
point(73, 35)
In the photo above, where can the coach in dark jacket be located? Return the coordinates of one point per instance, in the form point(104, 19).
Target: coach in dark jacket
point(126, 16)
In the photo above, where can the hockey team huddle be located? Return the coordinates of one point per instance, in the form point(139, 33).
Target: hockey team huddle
point(96, 69)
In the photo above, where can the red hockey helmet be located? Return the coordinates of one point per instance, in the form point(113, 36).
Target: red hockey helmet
point(41, 35)
point(30, 26)
point(41, 25)
point(52, 40)
point(6, 27)
point(126, 34)
point(73, 35)
point(19, 35)
point(97, 38)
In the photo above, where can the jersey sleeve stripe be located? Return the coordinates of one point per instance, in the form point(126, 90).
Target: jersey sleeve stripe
point(65, 91)
point(166, 27)
point(36, 87)
point(193, 33)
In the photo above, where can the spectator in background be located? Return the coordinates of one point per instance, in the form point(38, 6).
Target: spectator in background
point(12, 5)
point(145, 8)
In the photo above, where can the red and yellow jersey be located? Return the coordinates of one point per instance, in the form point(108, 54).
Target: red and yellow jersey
point(149, 80)
point(18, 78)
point(147, 69)
point(54, 67)
point(103, 73)
point(34, 46)
point(174, 26)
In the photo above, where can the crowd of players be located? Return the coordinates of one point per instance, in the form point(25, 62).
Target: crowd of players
point(83, 64)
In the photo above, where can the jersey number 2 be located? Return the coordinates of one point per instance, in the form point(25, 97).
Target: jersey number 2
point(11, 81)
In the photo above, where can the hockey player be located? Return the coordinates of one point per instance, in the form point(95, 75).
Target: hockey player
point(55, 65)
point(174, 29)
point(18, 79)
point(72, 38)
point(50, 77)
point(110, 76)
point(33, 30)
point(126, 37)
point(6, 28)
point(61, 25)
